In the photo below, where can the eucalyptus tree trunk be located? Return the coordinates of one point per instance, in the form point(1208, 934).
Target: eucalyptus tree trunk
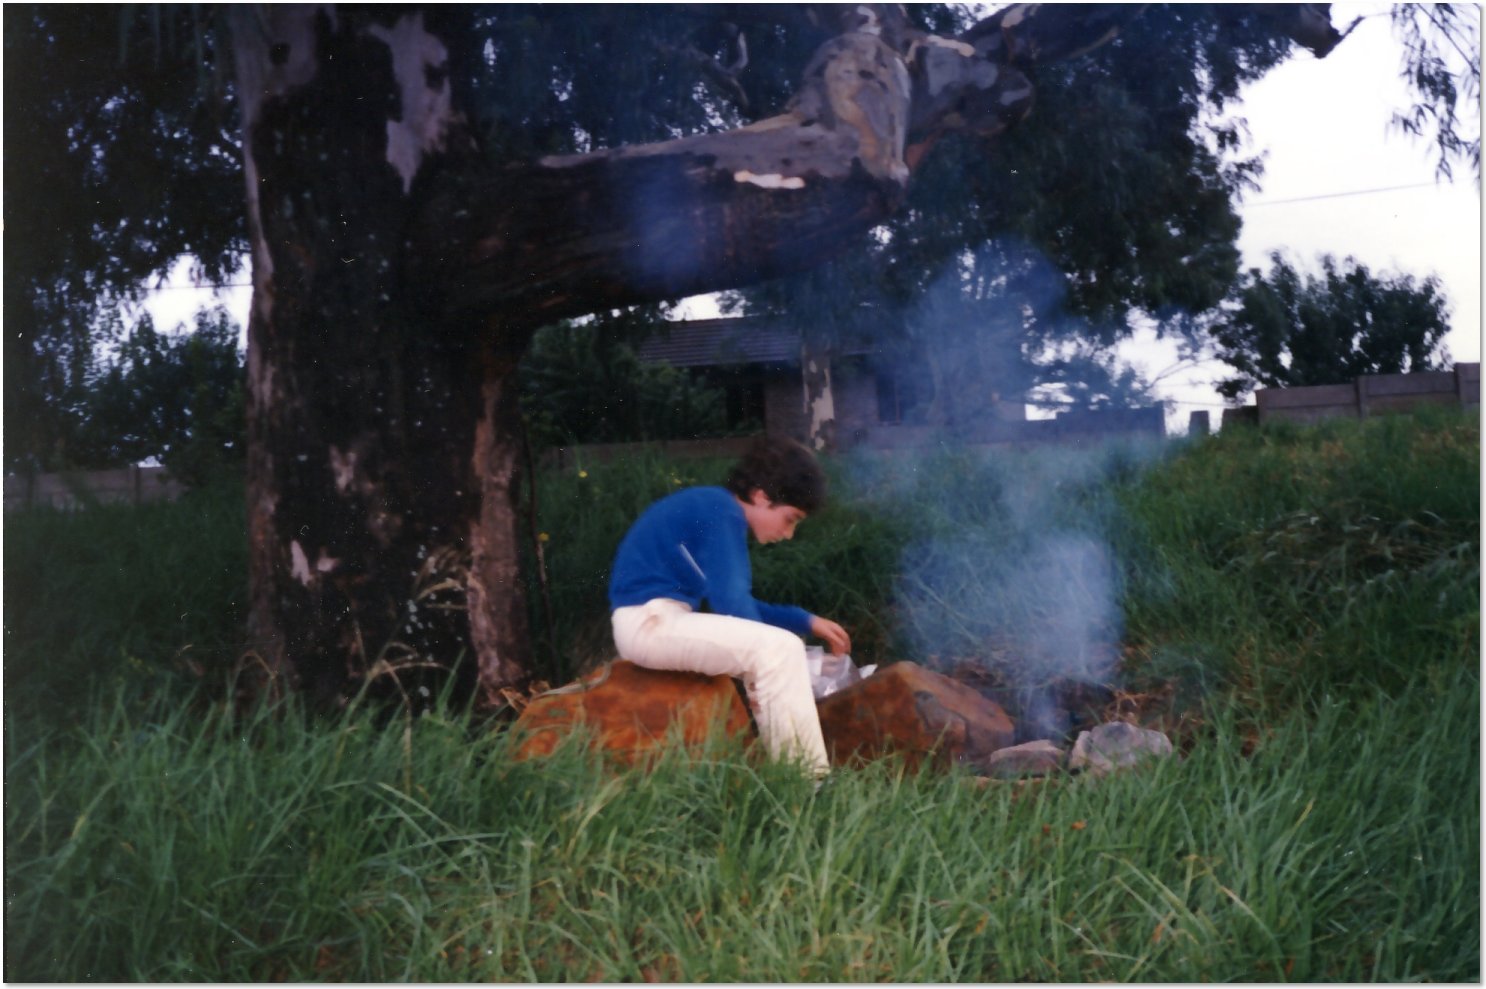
point(381, 444)
point(398, 275)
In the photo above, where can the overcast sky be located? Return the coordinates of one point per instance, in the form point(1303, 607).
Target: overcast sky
point(1324, 127)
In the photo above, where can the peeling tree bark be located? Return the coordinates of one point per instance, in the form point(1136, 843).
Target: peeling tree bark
point(398, 276)
point(819, 399)
point(381, 451)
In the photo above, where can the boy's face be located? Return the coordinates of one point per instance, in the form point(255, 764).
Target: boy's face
point(770, 522)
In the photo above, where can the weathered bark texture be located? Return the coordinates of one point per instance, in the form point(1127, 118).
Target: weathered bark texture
point(381, 456)
point(819, 398)
point(717, 211)
point(397, 276)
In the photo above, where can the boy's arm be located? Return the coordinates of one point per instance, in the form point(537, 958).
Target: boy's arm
point(722, 560)
point(785, 616)
point(730, 593)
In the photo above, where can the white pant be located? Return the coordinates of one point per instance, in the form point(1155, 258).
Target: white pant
point(667, 635)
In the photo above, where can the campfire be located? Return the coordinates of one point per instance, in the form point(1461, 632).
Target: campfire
point(972, 715)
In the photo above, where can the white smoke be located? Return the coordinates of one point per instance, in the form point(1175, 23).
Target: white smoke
point(1014, 570)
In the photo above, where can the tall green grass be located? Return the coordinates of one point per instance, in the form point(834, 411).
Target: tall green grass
point(149, 597)
point(1313, 594)
point(258, 848)
point(1290, 561)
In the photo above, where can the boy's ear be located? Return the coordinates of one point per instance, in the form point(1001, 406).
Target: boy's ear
point(758, 499)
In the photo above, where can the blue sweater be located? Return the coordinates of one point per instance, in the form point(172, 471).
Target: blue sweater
point(693, 546)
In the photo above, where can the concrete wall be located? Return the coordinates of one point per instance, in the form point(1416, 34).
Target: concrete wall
point(133, 485)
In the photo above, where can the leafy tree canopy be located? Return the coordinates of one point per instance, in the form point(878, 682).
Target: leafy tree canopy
point(1113, 200)
point(118, 161)
point(1288, 328)
point(1442, 65)
point(122, 154)
point(1113, 203)
point(176, 398)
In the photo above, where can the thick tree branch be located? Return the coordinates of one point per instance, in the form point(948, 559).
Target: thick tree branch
point(690, 215)
point(607, 232)
point(716, 211)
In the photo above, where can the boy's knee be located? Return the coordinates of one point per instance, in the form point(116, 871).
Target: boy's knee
point(777, 650)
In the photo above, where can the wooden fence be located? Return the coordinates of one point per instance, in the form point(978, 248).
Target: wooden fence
point(1371, 394)
point(78, 489)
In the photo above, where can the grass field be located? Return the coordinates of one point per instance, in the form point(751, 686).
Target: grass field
point(1306, 600)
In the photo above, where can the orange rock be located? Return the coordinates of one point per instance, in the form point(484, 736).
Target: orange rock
point(630, 710)
point(906, 708)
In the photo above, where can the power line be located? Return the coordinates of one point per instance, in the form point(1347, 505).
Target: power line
point(1338, 195)
point(201, 288)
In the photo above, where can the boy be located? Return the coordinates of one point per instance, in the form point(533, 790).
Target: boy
point(692, 546)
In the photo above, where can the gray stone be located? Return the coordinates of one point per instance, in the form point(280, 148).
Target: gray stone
point(1036, 758)
point(1116, 745)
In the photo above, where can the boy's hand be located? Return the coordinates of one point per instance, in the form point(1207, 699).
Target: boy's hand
point(834, 636)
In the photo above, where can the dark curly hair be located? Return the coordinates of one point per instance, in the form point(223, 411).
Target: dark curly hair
point(784, 470)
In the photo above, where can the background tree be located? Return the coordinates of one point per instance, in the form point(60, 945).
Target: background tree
point(120, 157)
point(994, 333)
point(1287, 328)
point(176, 398)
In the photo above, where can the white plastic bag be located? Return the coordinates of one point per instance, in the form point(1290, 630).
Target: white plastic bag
point(829, 673)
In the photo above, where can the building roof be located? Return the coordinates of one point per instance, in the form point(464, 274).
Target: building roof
point(723, 342)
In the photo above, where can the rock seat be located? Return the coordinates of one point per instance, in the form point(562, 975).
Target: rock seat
point(631, 710)
point(903, 708)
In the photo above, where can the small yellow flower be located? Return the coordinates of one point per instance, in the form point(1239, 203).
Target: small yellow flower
point(542, 537)
point(583, 473)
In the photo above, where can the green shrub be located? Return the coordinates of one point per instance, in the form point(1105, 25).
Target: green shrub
point(580, 384)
